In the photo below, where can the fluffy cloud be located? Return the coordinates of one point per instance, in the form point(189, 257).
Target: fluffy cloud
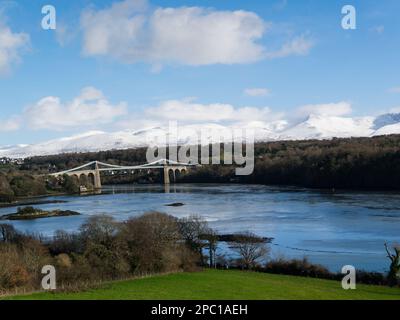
point(188, 111)
point(88, 109)
point(130, 32)
point(11, 45)
point(257, 92)
point(196, 36)
point(329, 109)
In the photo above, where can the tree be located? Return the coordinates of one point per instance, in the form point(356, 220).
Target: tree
point(28, 185)
point(7, 232)
point(153, 242)
point(394, 272)
point(250, 247)
point(192, 229)
point(70, 184)
point(99, 229)
point(6, 193)
point(103, 248)
point(212, 242)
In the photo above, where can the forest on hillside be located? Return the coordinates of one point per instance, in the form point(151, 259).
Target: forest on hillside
point(353, 163)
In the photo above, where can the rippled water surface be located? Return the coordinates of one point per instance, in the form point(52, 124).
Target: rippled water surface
point(333, 229)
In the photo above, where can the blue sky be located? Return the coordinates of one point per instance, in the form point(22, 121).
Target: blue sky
point(306, 59)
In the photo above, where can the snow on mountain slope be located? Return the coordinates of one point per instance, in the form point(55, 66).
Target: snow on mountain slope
point(389, 129)
point(314, 127)
point(323, 127)
point(386, 120)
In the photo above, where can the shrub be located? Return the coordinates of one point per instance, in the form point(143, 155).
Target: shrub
point(6, 193)
point(20, 266)
point(371, 278)
point(27, 210)
point(298, 268)
point(27, 185)
point(8, 233)
point(70, 184)
point(64, 242)
point(63, 261)
point(153, 243)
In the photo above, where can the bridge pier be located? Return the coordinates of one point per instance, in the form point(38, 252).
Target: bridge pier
point(97, 179)
point(166, 175)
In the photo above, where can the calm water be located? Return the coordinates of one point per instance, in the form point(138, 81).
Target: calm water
point(333, 229)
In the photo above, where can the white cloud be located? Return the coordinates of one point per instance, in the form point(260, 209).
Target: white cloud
point(64, 34)
point(196, 36)
point(88, 109)
point(130, 32)
point(257, 92)
point(11, 46)
point(329, 109)
point(188, 111)
point(299, 46)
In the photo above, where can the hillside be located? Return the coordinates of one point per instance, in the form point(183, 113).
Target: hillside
point(214, 284)
point(313, 126)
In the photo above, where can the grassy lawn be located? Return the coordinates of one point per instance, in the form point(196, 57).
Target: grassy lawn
point(213, 284)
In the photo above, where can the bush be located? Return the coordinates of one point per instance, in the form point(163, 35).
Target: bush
point(153, 243)
point(371, 278)
point(6, 193)
point(20, 265)
point(70, 184)
point(7, 198)
point(27, 185)
point(27, 210)
point(8, 233)
point(297, 267)
point(64, 242)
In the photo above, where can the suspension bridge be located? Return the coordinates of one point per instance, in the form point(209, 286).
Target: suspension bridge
point(93, 169)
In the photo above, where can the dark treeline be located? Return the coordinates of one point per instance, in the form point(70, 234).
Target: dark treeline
point(16, 184)
point(354, 163)
point(60, 162)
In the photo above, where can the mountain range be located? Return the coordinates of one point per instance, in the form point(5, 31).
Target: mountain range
point(312, 127)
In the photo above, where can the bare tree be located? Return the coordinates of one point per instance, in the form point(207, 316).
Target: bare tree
point(250, 247)
point(99, 229)
point(153, 242)
point(7, 232)
point(193, 229)
point(212, 242)
point(394, 272)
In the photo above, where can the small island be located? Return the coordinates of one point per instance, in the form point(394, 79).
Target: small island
point(29, 213)
point(175, 204)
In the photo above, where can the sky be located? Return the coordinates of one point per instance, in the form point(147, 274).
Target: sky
point(133, 64)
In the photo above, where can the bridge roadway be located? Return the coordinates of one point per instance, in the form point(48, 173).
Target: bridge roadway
point(94, 173)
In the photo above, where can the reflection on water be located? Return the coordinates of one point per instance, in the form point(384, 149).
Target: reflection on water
point(333, 229)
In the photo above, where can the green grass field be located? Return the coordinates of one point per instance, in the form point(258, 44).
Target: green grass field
point(213, 284)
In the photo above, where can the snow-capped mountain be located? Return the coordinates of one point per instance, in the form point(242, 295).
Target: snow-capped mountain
point(313, 127)
point(325, 127)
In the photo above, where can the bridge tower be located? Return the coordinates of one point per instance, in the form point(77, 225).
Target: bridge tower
point(97, 179)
